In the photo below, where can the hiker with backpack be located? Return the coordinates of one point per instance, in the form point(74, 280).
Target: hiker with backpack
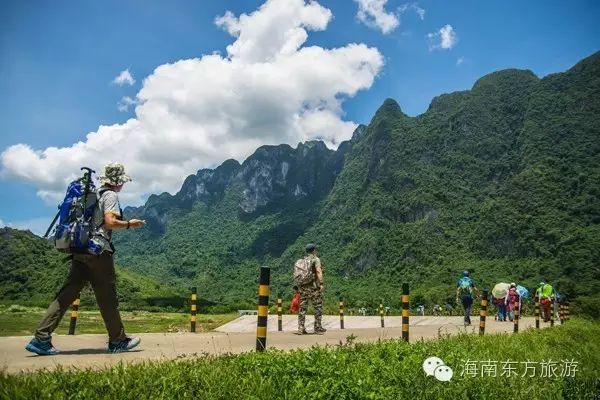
point(86, 220)
point(545, 295)
point(308, 276)
point(464, 290)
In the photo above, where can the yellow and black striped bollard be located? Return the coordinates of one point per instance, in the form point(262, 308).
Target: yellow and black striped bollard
point(263, 308)
point(279, 313)
point(483, 312)
point(516, 316)
point(194, 309)
point(552, 313)
point(381, 314)
point(537, 312)
point(341, 313)
point(74, 315)
point(405, 311)
point(561, 313)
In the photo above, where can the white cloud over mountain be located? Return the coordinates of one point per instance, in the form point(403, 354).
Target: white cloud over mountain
point(373, 14)
point(445, 38)
point(197, 112)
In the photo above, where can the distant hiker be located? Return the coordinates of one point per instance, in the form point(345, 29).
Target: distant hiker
point(511, 298)
point(464, 290)
point(545, 295)
point(437, 309)
point(449, 308)
point(295, 305)
point(94, 264)
point(308, 275)
point(500, 307)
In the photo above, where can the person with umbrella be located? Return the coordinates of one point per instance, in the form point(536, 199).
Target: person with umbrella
point(512, 298)
point(499, 293)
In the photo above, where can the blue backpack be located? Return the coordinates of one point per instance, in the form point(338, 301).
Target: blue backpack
point(466, 285)
point(73, 232)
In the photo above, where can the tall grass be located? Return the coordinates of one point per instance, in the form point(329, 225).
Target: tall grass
point(385, 370)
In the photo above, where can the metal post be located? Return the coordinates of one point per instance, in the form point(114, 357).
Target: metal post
point(561, 313)
point(194, 309)
point(279, 313)
point(552, 313)
point(341, 313)
point(483, 312)
point(537, 312)
point(405, 310)
point(74, 315)
point(381, 314)
point(263, 308)
point(516, 319)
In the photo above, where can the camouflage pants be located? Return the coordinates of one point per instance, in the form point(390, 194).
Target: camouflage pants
point(314, 295)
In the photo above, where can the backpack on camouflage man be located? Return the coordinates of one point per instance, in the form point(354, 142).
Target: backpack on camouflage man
point(73, 232)
point(303, 272)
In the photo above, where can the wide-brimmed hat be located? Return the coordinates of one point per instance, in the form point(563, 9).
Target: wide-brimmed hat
point(114, 174)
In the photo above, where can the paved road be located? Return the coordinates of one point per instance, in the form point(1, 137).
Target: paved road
point(89, 351)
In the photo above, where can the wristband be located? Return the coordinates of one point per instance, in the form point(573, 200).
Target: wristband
point(128, 224)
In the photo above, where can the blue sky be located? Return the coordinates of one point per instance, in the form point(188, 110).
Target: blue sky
point(57, 62)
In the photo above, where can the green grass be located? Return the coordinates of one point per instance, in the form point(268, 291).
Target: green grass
point(24, 323)
point(386, 370)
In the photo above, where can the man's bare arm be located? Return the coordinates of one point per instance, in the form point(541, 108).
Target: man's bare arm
point(112, 222)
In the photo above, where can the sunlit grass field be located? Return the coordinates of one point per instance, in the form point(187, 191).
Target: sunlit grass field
point(23, 322)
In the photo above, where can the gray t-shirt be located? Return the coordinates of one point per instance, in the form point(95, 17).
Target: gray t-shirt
point(108, 203)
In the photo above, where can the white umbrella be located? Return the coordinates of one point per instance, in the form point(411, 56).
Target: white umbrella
point(500, 290)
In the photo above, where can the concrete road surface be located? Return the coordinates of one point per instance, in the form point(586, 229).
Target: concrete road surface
point(89, 351)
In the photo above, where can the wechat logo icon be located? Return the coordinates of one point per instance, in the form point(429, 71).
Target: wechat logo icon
point(435, 366)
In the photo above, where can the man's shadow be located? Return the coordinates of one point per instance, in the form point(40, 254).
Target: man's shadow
point(89, 352)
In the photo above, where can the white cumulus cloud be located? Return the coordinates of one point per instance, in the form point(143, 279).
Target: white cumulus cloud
point(444, 38)
point(373, 14)
point(125, 102)
point(124, 78)
point(268, 89)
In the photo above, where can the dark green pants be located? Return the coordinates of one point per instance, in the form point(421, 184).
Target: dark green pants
point(100, 272)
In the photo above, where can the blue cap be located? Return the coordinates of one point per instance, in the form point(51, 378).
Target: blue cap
point(311, 247)
point(465, 273)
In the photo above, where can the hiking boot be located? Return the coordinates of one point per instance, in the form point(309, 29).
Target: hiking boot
point(301, 331)
point(123, 345)
point(320, 330)
point(41, 347)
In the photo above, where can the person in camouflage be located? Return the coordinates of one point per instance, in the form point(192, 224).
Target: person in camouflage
point(99, 270)
point(312, 292)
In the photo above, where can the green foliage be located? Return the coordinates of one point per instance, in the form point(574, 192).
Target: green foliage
point(32, 272)
point(385, 370)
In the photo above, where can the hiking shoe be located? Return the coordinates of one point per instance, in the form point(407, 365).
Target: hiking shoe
point(320, 330)
point(41, 347)
point(301, 331)
point(123, 345)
